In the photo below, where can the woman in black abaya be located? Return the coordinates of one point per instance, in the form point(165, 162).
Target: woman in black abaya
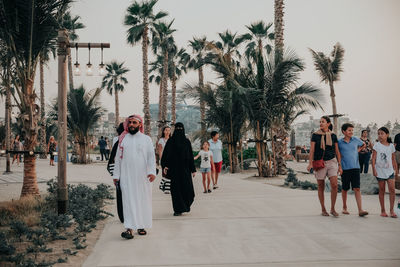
point(178, 164)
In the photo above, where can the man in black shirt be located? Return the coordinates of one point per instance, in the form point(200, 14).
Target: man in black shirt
point(397, 153)
point(102, 144)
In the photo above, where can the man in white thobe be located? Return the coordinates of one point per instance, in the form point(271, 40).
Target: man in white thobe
point(135, 168)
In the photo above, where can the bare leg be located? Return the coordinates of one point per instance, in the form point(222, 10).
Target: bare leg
point(204, 181)
point(392, 197)
point(344, 198)
point(208, 180)
point(321, 189)
point(382, 197)
point(213, 176)
point(216, 178)
point(357, 194)
point(334, 189)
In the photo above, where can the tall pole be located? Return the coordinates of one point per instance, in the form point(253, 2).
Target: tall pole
point(62, 53)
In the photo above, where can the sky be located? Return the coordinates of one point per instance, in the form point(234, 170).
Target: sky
point(367, 29)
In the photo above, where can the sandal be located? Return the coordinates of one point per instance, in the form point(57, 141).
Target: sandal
point(127, 234)
point(363, 213)
point(345, 212)
point(141, 232)
point(334, 213)
point(209, 191)
point(393, 215)
point(324, 213)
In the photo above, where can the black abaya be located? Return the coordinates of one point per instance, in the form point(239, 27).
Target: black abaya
point(178, 158)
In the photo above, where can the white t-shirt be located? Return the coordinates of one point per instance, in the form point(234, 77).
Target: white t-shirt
point(205, 158)
point(162, 142)
point(383, 164)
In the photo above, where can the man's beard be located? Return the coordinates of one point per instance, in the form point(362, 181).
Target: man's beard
point(133, 130)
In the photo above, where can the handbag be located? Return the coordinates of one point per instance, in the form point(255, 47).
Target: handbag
point(319, 164)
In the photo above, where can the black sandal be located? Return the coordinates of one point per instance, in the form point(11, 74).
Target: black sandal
point(127, 234)
point(141, 232)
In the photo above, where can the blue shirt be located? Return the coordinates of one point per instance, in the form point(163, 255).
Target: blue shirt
point(216, 149)
point(349, 153)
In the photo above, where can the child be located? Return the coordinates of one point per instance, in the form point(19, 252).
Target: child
point(384, 167)
point(205, 166)
point(349, 147)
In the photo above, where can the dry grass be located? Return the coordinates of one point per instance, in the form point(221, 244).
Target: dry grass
point(26, 209)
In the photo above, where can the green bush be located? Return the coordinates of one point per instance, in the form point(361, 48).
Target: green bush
point(292, 182)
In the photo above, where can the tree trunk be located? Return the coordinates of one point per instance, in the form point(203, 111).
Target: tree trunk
point(8, 123)
point(146, 100)
point(173, 104)
point(70, 72)
point(202, 107)
point(279, 25)
point(280, 149)
point(29, 120)
point(164, 112)
point(116, 105)
point(43, 145)
point(334, 110)
point(160, 101)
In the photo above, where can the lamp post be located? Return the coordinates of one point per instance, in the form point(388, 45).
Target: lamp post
point(64, 46)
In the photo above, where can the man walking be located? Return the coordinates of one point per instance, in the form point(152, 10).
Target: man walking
point(135, 169)
point(102, 144)
point(397, 154)
point(349, 147)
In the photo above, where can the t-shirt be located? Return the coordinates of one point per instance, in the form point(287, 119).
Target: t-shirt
point(102, 144)
point(383, 164)
point(367, 148)
point(349, 153)
point(397, 141)
point(329, 150)
point(205, 158)
point(162, 142)
point(216, 149)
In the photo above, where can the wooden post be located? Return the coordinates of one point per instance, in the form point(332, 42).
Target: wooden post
point(62, 53)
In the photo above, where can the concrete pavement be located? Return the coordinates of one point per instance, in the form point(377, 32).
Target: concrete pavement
point(251, 223)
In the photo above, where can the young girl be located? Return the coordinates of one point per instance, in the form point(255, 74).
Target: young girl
point(384, 167)
point(205, 166)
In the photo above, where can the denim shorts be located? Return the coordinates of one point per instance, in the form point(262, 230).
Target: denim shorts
point(205, 170)
point(385, 179)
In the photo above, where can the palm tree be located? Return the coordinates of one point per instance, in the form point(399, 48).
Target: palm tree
point(71, 24)
point(329, 69)
point(43, 58)
point(37, 24)
point(279, 25)
point(6, 74)
point(156, 70)
point(258, 32)
point(177, 65)
point(197, 62)
point(140, 18)
point(114, 81)
point(164, 41)
point(84, 111)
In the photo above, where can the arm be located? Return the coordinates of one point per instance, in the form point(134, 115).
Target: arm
point(212, 162)
point(191, 160)
point(339, 158)
point(394, 162)
point(159, 150)
point(311, 157)
point(373, 162)
point(196, 157)
point(362, 147)
point(117, 165)
point(151, 161)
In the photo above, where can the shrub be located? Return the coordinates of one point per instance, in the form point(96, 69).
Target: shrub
point(292, 182)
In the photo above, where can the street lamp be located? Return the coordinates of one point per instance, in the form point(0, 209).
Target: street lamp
point(102, 69)
point(77, 71)
point(89, 70)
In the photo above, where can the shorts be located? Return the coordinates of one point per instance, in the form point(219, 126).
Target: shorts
point(352, 177)
point(385, 179)
point(205, 170)
point(397, 156)
point(331, 169)
point(218, 166)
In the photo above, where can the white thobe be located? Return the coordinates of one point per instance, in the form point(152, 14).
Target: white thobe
point(132, 170)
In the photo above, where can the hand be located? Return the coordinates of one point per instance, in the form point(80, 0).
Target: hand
point(375, 173)
point(340, 171)
point(309, 167)
point(193, 174)
point(115, 181)
point(165, 170)
point(151, 177)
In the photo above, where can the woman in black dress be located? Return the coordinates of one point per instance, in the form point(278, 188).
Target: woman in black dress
point(178, 164)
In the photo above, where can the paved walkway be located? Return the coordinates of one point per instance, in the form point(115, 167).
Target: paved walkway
point(250, 223)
